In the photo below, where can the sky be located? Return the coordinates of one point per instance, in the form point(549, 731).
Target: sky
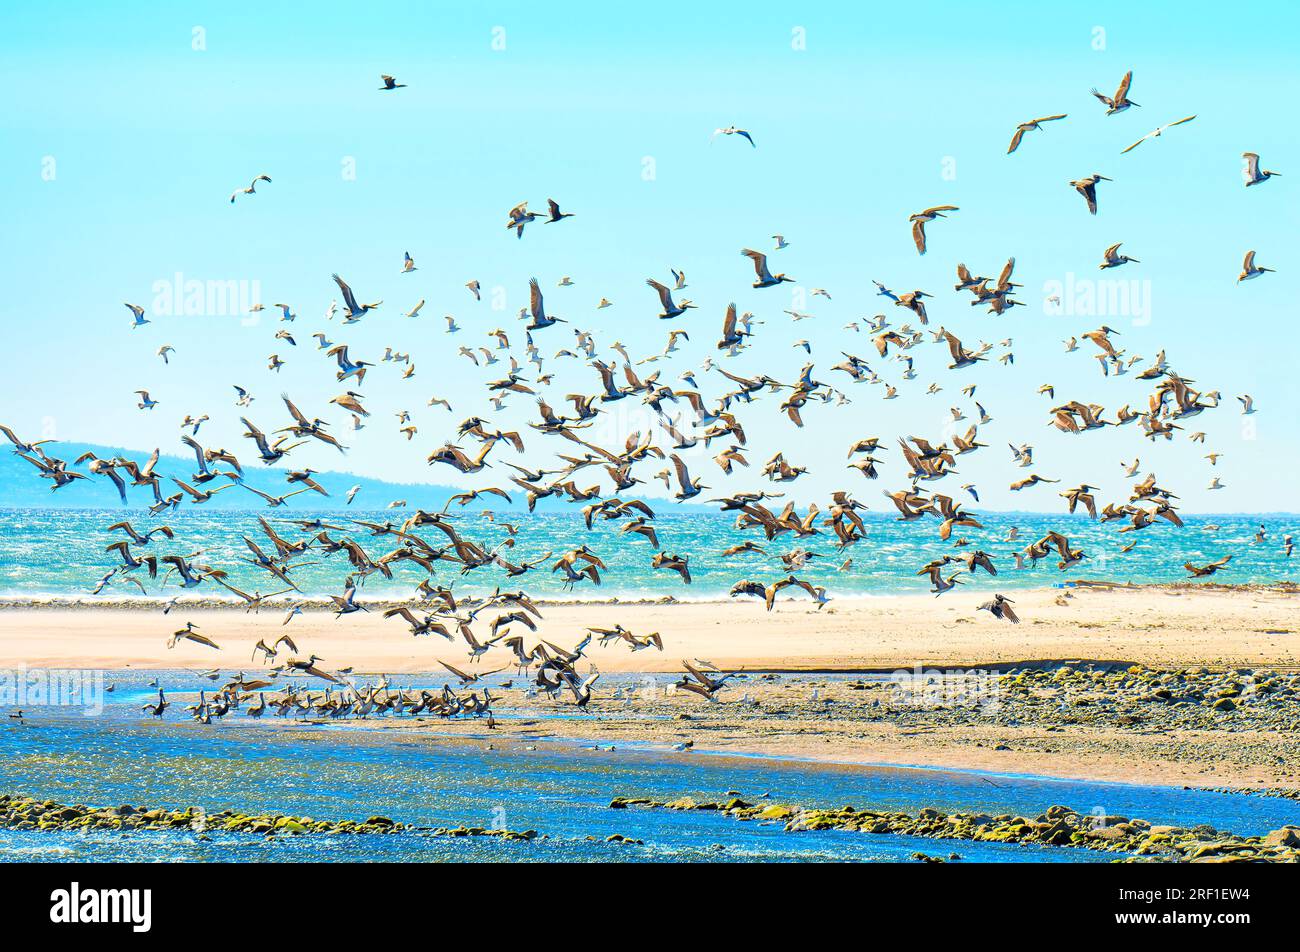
point(128, 128)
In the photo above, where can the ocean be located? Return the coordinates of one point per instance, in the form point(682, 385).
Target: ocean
point(60, 553)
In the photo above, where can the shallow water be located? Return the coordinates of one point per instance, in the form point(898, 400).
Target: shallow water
point(61, 552)
point(354, 770)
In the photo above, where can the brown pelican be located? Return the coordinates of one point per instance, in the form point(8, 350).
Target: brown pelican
point(765, 278)
point(1000, 607)
point(1249, 269)
point(675, 563)
point(689, 487)
point(537, 309)
point(188, 633)
point(1113, 259)
point(1252, 173)
point(519, 217)
point(1205, 571)
point(555, 213)
point(355, 311)
point(390, 83)
point(1029, 126)
point(1120, 101)
point(19, 445)
point(920, 218)
point(1087, 187)
point(102, 467)
point(666, 299)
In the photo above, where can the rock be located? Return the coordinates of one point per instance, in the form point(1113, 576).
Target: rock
point(1286, 836)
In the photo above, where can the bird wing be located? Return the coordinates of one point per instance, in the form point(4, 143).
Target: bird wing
point(683, 475)
point(456, 671)
point(760, 262)
point(535, 301)
point(1124, 84)
point(348, 297)
point(296, 413)
point(665, 296)
point(729, 322)
point(1138, 143)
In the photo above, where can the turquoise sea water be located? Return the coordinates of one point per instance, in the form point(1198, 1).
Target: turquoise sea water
point(356, 770)
point(61, 552)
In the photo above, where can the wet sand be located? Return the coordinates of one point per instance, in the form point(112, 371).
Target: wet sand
point(803, 715)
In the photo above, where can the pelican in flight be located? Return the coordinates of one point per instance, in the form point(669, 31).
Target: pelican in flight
point(1204, 571)
point(1087, 187)
point(666, 299)
point(1114, 259)
point(1252, 174)
point(1158, 131)
point(355, 311)
point(251, 190)
point(1029, 126)
point(1249, 269)
point(733, 131)
point(519, 217)
point(765, 278)
point(138, 312)
point(188, 633)
point(390, 83)
point(689, 487)
point(1120, 101)
point(21, 446)
point(920, 218)
point(554, 212)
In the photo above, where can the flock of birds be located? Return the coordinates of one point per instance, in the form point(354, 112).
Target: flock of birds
point(703, 408)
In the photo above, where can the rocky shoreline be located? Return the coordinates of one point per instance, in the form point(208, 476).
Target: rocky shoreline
point(1232, 730)
point(18, 812)
point(1138, 840)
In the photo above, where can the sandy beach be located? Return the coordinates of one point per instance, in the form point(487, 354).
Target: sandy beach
point(1156, 626)
point(799, 713)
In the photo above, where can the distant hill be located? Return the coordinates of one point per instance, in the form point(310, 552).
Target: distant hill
point(21, 485)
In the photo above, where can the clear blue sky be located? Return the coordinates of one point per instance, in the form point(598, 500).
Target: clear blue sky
point(148, 136)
